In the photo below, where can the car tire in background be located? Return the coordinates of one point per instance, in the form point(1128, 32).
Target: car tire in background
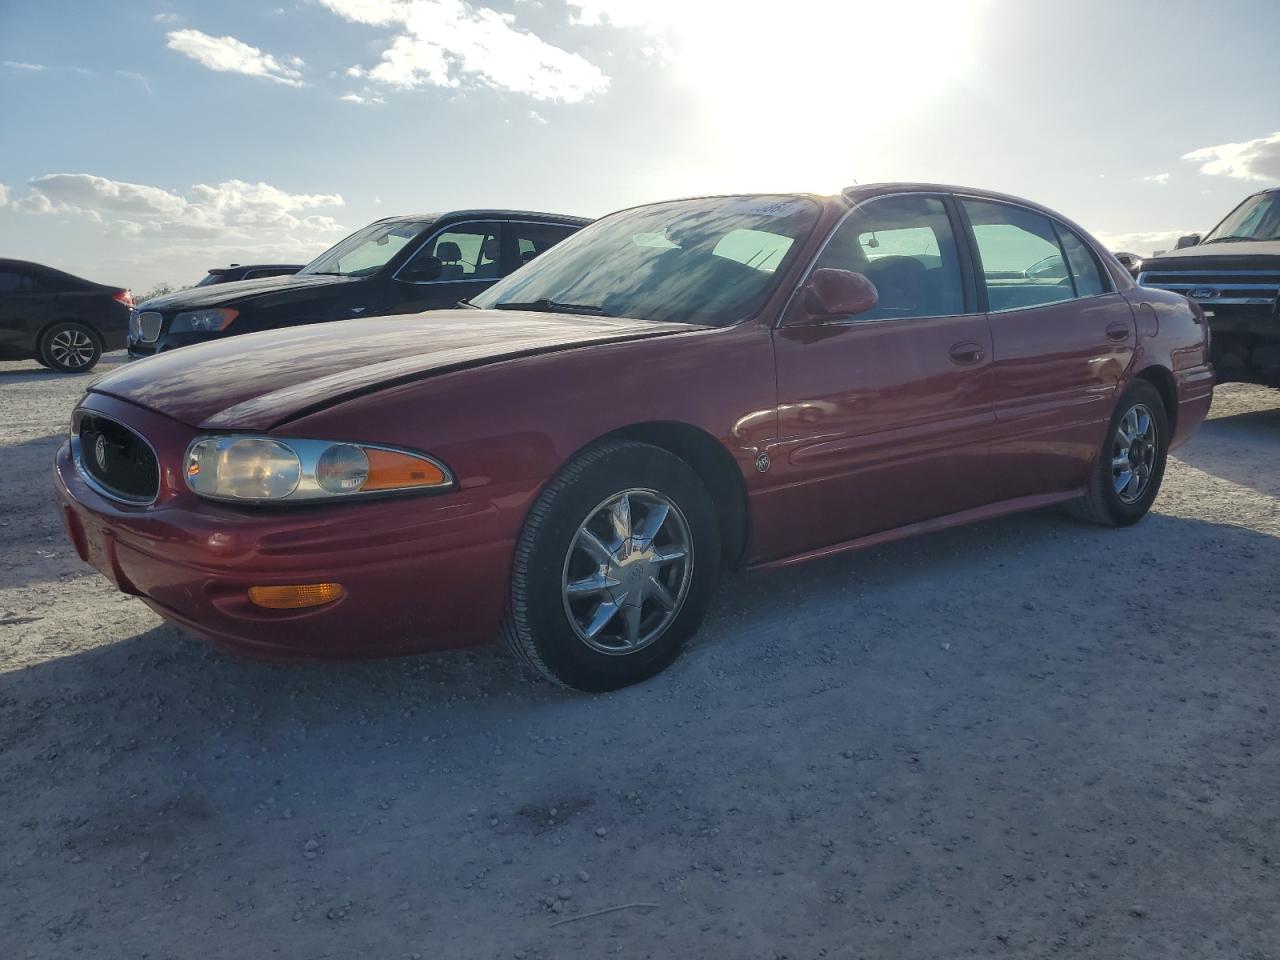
point(69, 347)
point(614, 568)
point(1127, 476)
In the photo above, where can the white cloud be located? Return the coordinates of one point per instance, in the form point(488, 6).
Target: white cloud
point(4, 195)
point(1249, 160)
point(357, 98)
point(235, 212)
point(229, 55)
point(166, 18)
point(21, 65)
point(1160, 178)
point(141, 78)
point(1143, 244)
point(445, 43)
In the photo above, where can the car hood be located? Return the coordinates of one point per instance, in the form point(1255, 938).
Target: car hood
point(260, 380)
point(1245, 254)
point(238, 292)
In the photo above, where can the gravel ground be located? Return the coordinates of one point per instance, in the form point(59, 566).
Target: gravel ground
point(1021, 738)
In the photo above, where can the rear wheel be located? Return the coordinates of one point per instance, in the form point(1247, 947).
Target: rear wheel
point(1129, 471)
point(614, 568)
point(69, 347)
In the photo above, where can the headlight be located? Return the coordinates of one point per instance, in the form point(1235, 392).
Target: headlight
point(267, 469)
point(203, 321)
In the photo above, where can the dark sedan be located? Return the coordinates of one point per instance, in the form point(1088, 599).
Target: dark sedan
point(679, 388)
point(393, 266)
point(63, 321)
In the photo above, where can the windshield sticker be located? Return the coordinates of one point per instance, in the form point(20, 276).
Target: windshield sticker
point(767, 206)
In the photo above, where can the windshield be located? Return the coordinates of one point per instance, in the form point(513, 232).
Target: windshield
point(367, 251)
point(1258, 218)
point(711, 261)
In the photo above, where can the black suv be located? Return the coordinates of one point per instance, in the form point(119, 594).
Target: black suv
point(1233, 272)
point(396, 265)
point(63, 321)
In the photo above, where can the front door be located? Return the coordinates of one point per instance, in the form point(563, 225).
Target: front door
point(1063, 339)
point(470, 260)
point(884, 417)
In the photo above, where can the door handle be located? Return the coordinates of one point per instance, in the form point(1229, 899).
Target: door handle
point(1118, 332)
point(967, 353)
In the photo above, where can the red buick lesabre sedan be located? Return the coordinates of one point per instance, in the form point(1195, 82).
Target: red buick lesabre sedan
point(679, 388)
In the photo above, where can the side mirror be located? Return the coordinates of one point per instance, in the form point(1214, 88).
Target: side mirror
point(837, 293)
point(422, 270)
point(1190, 240)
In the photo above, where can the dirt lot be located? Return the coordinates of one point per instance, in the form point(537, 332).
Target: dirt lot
point(1023, 738)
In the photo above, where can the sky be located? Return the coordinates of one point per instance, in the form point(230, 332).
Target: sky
point(143, 142)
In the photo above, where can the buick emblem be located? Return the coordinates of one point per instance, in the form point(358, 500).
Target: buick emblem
point(100, 451)
point(1202, 293)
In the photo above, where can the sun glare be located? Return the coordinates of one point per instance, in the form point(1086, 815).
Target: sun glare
point(837, 71)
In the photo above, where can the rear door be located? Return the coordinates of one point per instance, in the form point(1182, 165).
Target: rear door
point(1063, 338)
point(470, 255)
point(885, 417)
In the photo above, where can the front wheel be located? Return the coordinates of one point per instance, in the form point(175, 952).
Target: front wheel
point(614, 568)
point(69, 347)
point(1129, 471)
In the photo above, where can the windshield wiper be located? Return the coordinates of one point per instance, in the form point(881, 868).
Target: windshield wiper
point(546, 305)
point(1231, 239)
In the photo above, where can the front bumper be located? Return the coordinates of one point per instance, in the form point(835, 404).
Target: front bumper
point(420, 573)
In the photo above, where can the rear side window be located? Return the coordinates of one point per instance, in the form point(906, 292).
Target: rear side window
point(10, 282)
point(534, 239)
point(1022, 263)
point(1084, 268)
point(905, 246)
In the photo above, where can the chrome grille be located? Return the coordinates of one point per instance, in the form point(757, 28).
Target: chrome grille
point(1254, 288)
point(117, 461)
point(149, 326)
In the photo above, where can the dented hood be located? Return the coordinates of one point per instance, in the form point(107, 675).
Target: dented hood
point(260, 380)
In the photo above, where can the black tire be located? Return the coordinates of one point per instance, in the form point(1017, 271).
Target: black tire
point(1102, 504)
point(537, 627)
point(69, 347)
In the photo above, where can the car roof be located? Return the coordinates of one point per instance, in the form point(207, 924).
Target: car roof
point(482, 213)
point(14, 264)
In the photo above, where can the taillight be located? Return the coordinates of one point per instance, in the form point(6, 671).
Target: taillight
point(124, 297)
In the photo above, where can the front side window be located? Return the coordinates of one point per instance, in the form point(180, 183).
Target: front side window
point(534, 239)
point(366, 251)
point(469, 251)
point(10, 282)
point(906, 247)
point(1022, 263)
point(711, 261)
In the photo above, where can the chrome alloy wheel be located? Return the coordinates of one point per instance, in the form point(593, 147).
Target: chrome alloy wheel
point(627, 571)
point(1133, 453)
point(71, 348)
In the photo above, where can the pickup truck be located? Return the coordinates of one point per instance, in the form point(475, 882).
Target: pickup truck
point(1233, 273)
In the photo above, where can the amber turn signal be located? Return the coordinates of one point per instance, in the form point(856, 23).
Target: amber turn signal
point(389, 470)
point(296, 596)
